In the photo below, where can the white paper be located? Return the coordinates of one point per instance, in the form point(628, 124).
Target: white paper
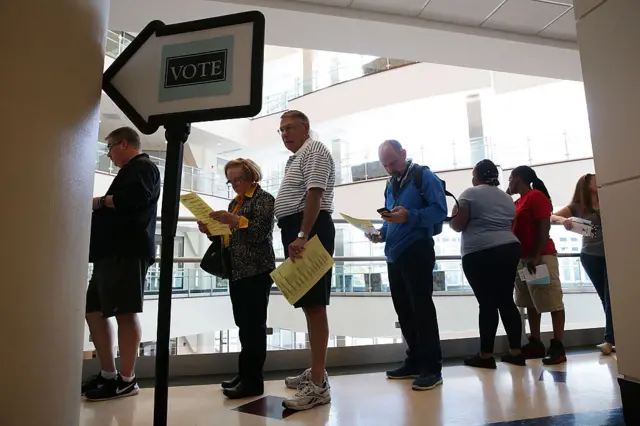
point(362, 224)
point(579, 226)
point(582, 227)
point(541, 276)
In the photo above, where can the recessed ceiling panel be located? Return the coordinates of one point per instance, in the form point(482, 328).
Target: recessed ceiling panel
point(524, 16)
point(339, 3)
point(564, 28)
point(464, 12)
point(395, 7)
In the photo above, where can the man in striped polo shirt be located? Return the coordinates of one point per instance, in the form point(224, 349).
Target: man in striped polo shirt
point(303, 208)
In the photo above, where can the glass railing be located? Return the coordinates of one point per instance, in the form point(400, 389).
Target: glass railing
point(360, 271)
point(353, 276)
point(193, 179)
point(117, 41)
point(363, 165)
point(360, 266)
point(279, 102)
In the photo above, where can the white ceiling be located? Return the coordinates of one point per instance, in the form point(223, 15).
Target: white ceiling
point(544, 18)
point(520, 36)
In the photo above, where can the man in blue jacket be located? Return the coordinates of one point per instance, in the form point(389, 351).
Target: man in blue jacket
point(410, 217)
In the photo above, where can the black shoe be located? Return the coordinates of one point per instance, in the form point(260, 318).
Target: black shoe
point(113, 389)
point(479, 362)
point(403, 372)
point(518, 360)
point(92, 382)
point(228, 384)
point(556, 353)
point(534, 349)
point(242, 390)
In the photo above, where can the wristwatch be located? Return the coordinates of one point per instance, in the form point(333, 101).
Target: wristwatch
point(301, 235)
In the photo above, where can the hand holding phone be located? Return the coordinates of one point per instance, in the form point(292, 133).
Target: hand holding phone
point(383, 210)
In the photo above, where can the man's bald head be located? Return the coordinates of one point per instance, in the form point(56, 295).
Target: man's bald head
point(393, 157)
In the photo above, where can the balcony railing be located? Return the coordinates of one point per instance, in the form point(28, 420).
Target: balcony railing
point(366, 275)
point(117, 41)
point(193, 179)
point(278, 102)
point(273, 103)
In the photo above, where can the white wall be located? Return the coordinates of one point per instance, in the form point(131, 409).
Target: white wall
point(608, 36)
point(399, 85)
point(348, 316)
point(561, 178)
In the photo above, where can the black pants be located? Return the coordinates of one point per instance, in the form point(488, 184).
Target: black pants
point(249, 300)
point(491, 275)
point(411, 284)
point(596, 268)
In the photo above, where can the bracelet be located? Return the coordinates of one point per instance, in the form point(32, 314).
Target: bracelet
point(100, 202)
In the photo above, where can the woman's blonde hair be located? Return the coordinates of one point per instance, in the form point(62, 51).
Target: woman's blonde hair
point(250, 170)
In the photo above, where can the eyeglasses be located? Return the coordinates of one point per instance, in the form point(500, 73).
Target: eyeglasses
point(235, 181)
point(110, 146)
point(287, 129)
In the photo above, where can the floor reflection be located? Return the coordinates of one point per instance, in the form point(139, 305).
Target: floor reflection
point(582, 392)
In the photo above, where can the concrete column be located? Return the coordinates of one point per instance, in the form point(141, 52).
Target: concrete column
point(307, 71)
point(609, 41)
point(336, 152)
point(50, 81)
point(476, 129)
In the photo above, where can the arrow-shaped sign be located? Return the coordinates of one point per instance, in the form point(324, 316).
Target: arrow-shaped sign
point(204, 70)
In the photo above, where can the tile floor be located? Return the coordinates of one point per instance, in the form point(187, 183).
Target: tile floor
point(584, 392)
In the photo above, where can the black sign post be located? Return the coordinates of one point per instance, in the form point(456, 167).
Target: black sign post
point(172, 76)
point(176, 136)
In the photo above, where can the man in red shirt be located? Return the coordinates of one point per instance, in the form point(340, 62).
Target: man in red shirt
point(531, 225)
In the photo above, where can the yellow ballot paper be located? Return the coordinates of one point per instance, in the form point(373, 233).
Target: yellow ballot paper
point(201, 211)
point(362, 224)
point(295, 279)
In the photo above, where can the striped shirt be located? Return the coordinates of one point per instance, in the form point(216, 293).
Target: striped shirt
point(311, 167)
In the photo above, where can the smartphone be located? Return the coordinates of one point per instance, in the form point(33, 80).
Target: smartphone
point(383, 210)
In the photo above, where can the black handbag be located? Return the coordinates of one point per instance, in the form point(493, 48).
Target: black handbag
point(217, 260)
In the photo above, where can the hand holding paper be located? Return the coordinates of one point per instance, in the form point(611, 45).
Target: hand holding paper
point(540, 276)
point(295, 279)
point(202, 212)
point(362, 224)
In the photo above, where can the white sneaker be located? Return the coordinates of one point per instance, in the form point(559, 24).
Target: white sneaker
point(295, 382)
point(308, 396)
point(606, 348)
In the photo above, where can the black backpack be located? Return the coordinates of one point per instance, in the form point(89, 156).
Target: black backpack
point(416, 178)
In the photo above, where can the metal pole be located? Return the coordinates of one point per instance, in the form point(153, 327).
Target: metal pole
point(176, 135)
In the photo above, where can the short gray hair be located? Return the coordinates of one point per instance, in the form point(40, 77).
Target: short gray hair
point(294, 113)
point(128, 134)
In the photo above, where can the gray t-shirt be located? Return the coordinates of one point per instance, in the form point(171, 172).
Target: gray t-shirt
point(491, 213)
point(593, 244)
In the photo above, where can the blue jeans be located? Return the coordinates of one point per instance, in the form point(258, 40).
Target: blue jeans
point(596, 268)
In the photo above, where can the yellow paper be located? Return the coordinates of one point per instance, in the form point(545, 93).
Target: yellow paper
point(295, 279)
point(362, 224)
point(201, 211)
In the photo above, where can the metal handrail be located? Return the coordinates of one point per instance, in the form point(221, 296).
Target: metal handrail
point(354, 258)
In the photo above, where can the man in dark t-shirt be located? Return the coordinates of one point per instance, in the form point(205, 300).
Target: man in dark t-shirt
point(122, 248)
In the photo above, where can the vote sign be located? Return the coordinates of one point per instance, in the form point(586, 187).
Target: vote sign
point(204, 70)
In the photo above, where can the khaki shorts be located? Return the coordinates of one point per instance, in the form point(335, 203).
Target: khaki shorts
point(542, 297)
